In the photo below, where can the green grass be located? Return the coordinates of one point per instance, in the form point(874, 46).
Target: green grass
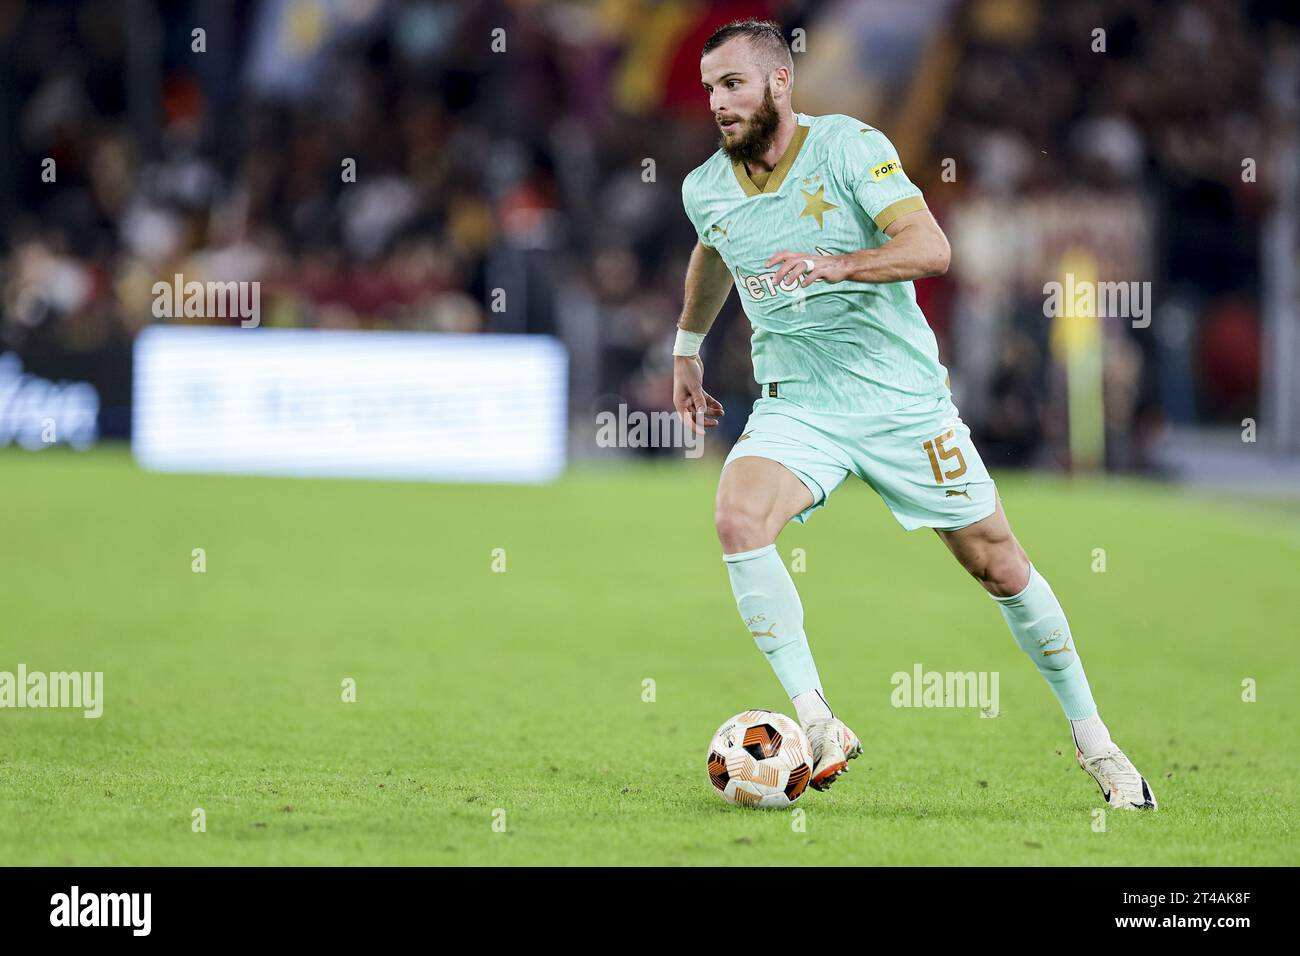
point(522, 690)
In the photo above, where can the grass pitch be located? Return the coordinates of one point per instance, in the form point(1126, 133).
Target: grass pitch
point(516, 697)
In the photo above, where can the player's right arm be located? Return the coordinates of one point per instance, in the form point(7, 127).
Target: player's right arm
point(708, 282)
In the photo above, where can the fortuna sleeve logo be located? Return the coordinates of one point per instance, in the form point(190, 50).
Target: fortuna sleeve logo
point(884, 169)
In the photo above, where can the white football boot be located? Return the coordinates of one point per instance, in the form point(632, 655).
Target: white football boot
point(833, 746)
point(1121, 784)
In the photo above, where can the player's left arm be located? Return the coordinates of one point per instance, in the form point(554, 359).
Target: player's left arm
point(917, 248)
point(870, 170)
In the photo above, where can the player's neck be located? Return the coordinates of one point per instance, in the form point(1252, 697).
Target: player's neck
point(784, 133)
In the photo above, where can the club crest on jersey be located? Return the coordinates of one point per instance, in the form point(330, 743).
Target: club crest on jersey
point(764, 286)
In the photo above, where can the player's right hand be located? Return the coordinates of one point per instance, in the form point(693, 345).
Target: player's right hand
point(692, 402)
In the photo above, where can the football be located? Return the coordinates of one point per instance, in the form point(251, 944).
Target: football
point(760, 759)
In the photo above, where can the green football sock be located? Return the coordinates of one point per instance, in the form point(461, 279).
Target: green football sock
point(771, 609)
point(1039, 627)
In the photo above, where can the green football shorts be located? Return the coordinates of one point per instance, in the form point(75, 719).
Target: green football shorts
point(920, 459)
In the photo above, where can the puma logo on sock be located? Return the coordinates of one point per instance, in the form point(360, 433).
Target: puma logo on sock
point(1055, 635)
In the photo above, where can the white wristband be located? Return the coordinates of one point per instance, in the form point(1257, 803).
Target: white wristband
point(688, 343)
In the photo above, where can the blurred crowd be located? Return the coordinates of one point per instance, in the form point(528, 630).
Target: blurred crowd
point(1173, 110)
point(516, 167)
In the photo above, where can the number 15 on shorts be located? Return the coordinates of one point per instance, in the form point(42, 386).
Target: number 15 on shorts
point(938, 453)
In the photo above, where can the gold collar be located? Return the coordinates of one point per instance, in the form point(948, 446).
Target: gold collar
point(777, 176)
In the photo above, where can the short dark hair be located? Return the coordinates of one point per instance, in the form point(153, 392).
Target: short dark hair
point(764, 35)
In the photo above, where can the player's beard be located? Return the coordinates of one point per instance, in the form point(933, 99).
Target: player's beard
point(759, 133)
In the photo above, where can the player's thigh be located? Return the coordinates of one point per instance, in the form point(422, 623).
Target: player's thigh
point(756, 489)
point(782, 468)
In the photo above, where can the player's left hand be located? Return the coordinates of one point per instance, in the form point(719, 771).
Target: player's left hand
point(826, 268)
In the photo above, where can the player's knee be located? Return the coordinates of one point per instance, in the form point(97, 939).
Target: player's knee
point(1001, 567)
point(1003, 572)
point(741, 528)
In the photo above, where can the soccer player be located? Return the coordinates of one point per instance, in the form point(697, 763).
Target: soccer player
point(817, 225)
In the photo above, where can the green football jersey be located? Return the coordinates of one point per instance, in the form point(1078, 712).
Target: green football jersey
point(844, 346)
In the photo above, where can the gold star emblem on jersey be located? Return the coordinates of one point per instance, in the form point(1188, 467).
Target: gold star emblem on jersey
point(815, 205)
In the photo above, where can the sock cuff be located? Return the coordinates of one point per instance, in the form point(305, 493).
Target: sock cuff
point(748, 555)
point(1033, 573)
point(1090, 734)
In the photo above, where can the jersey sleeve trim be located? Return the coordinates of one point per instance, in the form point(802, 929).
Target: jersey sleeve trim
point(885, 218)
point(703, 238)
